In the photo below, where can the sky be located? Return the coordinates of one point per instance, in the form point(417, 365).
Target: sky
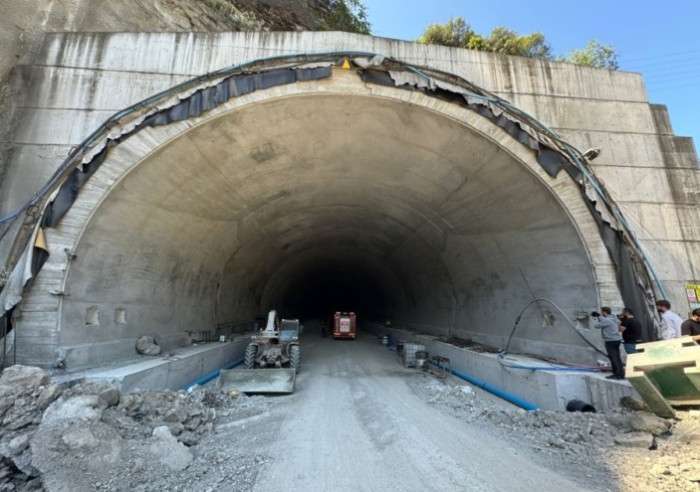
point(661, 40)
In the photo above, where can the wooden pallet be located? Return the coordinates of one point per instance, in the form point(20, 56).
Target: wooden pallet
point(666, 374)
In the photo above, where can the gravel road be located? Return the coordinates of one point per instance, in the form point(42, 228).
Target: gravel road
point(357, 421)
point(355, 424)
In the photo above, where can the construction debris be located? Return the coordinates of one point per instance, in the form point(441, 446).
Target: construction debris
point(168, 451)
point(630, 440)
point(71, 437)
point(90, 436)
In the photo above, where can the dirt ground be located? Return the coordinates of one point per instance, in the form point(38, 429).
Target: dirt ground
point(357, 421)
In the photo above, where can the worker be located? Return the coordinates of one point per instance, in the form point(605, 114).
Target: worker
point(631, 330)
point(609, 327)
point(691, 326)
point(670, 321)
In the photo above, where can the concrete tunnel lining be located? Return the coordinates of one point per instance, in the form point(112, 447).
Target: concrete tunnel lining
point(368, 170)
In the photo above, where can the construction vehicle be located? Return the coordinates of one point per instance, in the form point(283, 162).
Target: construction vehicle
point(344, 325)
point(275, 346)
point(272, 359)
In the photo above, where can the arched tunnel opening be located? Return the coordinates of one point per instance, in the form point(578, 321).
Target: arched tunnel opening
point(315, 203)
point(315, 292)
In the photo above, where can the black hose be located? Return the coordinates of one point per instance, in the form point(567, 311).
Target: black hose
point(568, 322)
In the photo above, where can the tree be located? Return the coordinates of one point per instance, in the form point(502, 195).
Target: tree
point(457, 33)
point(346, 15)
point(594, 55)
point(508, 42)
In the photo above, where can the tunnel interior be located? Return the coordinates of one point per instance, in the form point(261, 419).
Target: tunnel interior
point(316, 203)
point(318, 290)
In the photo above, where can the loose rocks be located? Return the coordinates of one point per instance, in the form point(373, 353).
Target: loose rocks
point(169, 451)
point(25, 392)
point(79, 438)
point(73, 409)
point(635, 440)
point(632, 404)
point(75, 437)
point(147, 346)
point(646, 422)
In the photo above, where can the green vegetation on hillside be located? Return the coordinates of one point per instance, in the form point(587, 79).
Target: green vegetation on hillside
point(325, 15)
point(458, 33)
point(346, 15)
point(241, 19)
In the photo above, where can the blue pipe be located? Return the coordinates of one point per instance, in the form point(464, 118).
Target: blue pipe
point(211, 375)
point(509, 397)
point(553, 368)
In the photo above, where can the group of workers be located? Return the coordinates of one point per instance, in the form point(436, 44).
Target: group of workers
point(626, 330)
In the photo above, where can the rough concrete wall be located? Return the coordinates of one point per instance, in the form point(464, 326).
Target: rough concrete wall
point(85, 78)
point(76, 81)
point(23, 23)
point(22, 19)
point(654, 176)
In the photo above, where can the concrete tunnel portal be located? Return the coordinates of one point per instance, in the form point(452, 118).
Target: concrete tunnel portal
point(324, 195)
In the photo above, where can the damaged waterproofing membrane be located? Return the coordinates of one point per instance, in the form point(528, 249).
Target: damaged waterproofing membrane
point(635, 276)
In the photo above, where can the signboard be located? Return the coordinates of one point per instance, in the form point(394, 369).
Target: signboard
point(693, 293)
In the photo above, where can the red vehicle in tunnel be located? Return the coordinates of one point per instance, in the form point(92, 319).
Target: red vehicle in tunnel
point(344, 325)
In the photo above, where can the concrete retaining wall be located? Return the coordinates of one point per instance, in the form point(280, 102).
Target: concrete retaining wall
point(174, 372)
point(549, 390)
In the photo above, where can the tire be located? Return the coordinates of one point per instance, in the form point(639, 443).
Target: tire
point(251, 352)
point(295, 357)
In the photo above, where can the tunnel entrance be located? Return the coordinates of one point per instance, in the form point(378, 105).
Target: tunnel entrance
point(322, 196)
point(315, 203)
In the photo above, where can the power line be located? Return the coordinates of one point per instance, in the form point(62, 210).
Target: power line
point(658, 56)
point(684, 74)
point(657, 73)
point(682, 85)
point(661, 66)
point(685, 80)
point(682, 71)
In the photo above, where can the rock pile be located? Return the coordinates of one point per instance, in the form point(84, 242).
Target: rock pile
point(552, 428)
point(69, 437)
point(630, 446)
point(25, 393)
point(186, 415)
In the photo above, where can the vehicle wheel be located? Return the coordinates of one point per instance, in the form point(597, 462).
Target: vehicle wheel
point(251, 352)
point(295, 357)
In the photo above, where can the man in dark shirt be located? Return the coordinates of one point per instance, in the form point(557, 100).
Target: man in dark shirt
point(631, 330)
point(692, 326)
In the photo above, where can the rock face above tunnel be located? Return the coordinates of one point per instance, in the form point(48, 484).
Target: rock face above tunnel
point(22, 19)
point(578, 102)
point(24, 23)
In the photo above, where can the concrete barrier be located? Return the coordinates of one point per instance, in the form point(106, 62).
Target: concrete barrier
point(184, 368)
point(548, 389)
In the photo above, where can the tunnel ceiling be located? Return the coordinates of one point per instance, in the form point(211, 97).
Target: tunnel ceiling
point(420, 217)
